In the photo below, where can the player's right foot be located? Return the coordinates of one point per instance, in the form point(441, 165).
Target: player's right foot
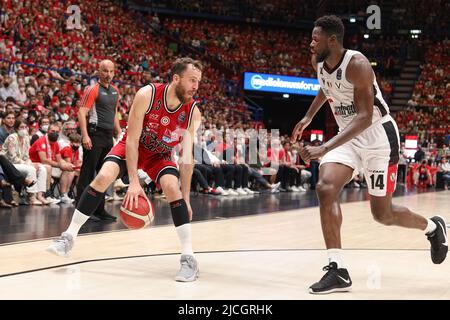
point(189, 269)
point(438, 240)
point(62, 245)
point(335, 280)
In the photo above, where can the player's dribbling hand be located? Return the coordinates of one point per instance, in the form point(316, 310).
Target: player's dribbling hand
point(298, 130)
point(309, 153)
point(131, 198)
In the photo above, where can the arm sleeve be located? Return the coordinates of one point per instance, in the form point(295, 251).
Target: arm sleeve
point(89, 96)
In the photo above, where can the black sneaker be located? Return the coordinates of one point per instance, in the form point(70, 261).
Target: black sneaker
point(438, 240)
point(105, 216)
point(335, 280)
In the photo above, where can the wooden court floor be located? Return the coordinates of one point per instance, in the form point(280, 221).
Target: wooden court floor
point(264, 256)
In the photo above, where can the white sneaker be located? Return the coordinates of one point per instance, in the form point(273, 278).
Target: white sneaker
point(249, 191)
point(188, 270)
point(52, 200)
point(66, 199)
point(222, 191)
point(241, 192)
point(232, 192)
point(118, 184)
point(301, 189)
point(295, 189)
point(276, 185)
point(62, 245)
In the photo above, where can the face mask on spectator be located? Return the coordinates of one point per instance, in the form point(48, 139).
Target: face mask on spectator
point(75, 148)
point(22, 133)
point(53, 136)
point(44, 127)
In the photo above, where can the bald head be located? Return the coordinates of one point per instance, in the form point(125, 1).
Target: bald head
point(106, 72)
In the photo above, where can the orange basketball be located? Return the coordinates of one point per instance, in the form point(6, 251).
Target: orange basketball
point(140, 217)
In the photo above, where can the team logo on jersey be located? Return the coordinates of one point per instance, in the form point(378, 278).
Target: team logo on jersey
point(158, 106)
point(154, 116)
point(182, 117)
point(339, 74)
point(165, 121)
point(393, 177)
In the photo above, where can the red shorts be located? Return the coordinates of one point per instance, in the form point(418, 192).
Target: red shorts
point(154, 164)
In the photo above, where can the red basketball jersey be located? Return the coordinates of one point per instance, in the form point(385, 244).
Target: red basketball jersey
point(162, 129)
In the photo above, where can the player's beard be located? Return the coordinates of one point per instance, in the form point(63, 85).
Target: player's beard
point(322, 56)
point(181, 94)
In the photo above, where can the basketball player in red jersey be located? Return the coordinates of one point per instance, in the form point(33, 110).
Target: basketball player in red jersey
point(162, 116)
point(368, 138)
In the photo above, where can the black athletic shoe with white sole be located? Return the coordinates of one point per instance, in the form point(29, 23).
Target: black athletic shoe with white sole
point(335, 280)
point(438, 240)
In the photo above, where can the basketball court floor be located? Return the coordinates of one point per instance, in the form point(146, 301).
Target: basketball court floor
point(266, 246)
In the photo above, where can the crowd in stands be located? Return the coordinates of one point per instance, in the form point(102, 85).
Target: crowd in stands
point(433, 85)
point(286, 11)
point(426, 122)
point(45, 68)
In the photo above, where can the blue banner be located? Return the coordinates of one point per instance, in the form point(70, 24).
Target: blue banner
point(282, 84)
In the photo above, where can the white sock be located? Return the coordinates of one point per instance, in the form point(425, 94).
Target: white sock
point(335, 255)
point(431, 226)
point(184, 234)
point(77, 222)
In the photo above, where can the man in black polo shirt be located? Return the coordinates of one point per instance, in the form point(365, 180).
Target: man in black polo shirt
point(98, 121)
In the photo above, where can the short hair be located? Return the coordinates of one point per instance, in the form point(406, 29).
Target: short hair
point(331, 25)
point(75, 138)
point(42, 118)
point(18, 123)
point(180, 65)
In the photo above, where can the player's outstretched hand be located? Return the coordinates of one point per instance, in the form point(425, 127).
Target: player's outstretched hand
point(298, 130)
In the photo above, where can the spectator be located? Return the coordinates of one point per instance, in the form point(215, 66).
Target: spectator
point(46, 151)
point(8, 126)
point(16, 149)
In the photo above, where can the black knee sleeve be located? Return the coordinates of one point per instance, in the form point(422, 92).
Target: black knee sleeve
point(180, 214)
point(89, 201)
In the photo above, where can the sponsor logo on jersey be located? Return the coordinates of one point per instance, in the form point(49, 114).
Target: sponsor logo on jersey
point(345, 111)
point(167, 137)
point(152, 127)
point(154, 116)
point(165, 120)
point(151, 142)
